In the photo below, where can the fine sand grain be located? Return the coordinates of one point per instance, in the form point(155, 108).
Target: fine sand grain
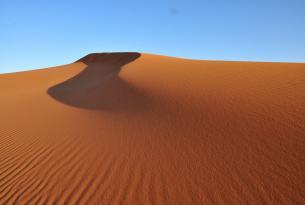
point(131, 128)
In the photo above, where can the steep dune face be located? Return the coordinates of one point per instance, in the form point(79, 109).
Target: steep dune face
point(99, 86)
point(130, 128)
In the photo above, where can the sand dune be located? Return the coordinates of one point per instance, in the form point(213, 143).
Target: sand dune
point(131, 128)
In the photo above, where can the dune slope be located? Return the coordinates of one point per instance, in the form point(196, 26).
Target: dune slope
point(131, 128)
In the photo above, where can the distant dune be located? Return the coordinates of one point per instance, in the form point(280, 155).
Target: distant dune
point(131, 128)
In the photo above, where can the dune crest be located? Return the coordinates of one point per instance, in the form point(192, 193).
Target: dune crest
point(131, 128)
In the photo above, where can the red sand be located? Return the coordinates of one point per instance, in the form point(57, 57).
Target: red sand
point(129, 128)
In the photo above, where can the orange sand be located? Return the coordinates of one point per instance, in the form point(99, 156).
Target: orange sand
point(129, 128)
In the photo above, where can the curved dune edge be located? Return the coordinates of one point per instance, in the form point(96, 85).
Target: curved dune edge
point(131, 128)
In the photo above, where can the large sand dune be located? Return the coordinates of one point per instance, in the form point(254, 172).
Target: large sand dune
point(130, 128)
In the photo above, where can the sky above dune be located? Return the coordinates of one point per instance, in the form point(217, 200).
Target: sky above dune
point(42, 33)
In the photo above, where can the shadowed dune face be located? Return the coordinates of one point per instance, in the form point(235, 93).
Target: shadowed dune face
point(99, 86)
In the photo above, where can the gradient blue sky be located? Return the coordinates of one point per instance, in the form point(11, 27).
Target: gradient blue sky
point(42, 33)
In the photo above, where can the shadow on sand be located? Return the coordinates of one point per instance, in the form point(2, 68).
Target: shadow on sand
point(99, 86)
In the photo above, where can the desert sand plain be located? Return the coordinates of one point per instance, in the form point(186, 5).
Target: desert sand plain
point(135, 128)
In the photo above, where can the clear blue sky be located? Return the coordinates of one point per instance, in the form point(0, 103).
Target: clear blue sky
point(41, 33)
